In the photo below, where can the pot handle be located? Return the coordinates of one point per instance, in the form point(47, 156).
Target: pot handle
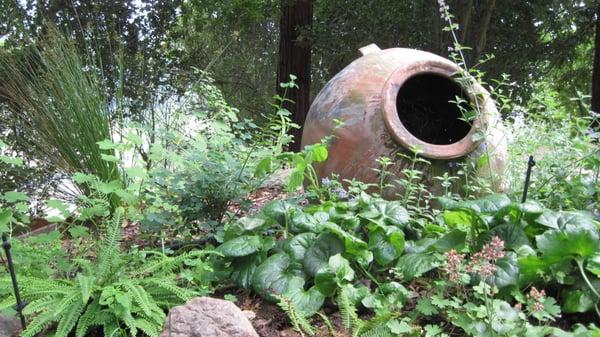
point(366, 50)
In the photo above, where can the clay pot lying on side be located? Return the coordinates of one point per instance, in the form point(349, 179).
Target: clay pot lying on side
point(396, 99)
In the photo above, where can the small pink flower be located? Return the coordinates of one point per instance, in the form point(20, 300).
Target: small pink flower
point(484, 262)
point(538, 306)
point(537, 296)
point(453, 263)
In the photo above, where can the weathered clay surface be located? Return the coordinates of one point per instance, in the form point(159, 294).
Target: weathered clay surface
point(9, 326)
point(363, 96)
point(207, 317)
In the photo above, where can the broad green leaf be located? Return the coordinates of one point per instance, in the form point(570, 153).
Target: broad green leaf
point(325, 281)
point(576, 301)
point(341, 267)
point(296, 180)
point(460, 219)
point(250, 223)
point(420, 246)
point(560, 220)
point(528, 211)
point(594, 264)
point(279, 211)
point(307, 301)
point(383, 250)
point(455, 239)
point(244, 268)
point(572, 242)
point(488, 204)
point(507, 271)
point(382, 212)
point(415, 265)
point(353, 244)
point(13, 196)
point(299, 244)
point(317, 256)
point(532, 268)
point(240, 246)
point(263, 167)
point(273, 276)
point(549, 219)
point(304, 222)
point(512, 235)
point(319, 153)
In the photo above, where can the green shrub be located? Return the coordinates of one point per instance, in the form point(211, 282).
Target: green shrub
point(122, 293)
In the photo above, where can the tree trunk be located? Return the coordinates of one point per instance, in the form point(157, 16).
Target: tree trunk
point(294, 59)
point(485, 24)
point(596, 72)
point(465, 20)
point(437, 30)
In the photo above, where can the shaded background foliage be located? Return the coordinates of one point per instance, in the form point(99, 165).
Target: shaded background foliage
point(148, 50)
point(236, 40)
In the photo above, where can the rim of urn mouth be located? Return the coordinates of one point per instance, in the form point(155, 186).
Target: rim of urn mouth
point(402, 135)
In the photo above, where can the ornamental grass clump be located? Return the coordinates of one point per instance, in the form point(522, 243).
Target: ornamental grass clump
point(61, 102)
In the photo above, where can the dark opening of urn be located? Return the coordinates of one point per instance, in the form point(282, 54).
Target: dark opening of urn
point(426, 111)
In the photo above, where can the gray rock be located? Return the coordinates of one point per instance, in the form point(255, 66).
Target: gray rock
point(9, 326)
point(207, 317)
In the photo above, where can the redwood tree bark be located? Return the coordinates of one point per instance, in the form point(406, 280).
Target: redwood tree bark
point(596, 71)
point(294, 59)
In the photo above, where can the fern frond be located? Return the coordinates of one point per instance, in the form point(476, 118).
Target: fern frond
point(129, 323)
point(148, 328)
point(86, 320)
point(35, 287)
point(67, 301)
point(8, 302)
point(111, 328)
point(141, 297)
point(69, 318)
point(328, 324)
point(86, 284)
point(170, 263)
point(347, 310)
point(41, 304)
point(39, 323)
point(299, 321)
point(182, 293)
point(110, 249)
point(373, 327)
point(378, 331)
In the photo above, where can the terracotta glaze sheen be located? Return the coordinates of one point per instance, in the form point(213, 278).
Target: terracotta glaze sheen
point(396, 99)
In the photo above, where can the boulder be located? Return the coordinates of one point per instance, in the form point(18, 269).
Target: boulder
point(207, 317)
point(9, 326)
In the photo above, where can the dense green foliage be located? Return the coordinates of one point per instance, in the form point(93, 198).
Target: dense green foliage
point(116, 291)
point(149, 119)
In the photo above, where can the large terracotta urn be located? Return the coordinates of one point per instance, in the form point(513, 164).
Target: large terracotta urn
point(394, 100)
